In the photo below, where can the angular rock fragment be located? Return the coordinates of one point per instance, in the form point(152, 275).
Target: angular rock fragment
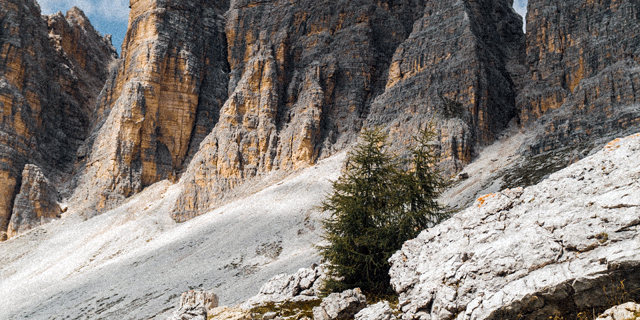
point(340, 306)
point(195, 305)
point(378, 311)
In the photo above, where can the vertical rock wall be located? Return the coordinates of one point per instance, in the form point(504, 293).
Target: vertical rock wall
point(46, 94)
point(584, 74)
point(465, 51)
point(161, 101)
point(303, 75)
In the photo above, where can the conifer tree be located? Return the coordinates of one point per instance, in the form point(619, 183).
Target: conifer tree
point(377, 204)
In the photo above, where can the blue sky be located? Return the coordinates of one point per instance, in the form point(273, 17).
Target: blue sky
point(111, 16)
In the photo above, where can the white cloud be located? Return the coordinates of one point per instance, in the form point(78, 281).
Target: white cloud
point(115, 10)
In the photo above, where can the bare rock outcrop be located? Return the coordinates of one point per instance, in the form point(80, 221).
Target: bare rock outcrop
point(46, 93)
point(304, 285)
point(303, 75)
point(195, 305)
point(470, 52)
point(340, 306)
point(162, 99)
point(553, 249)
point(35, 204)
point(584, 72)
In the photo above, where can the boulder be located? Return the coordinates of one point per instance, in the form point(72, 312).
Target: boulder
point(195, 305)
point(562, 246)
point(304, 285)
point(340, 306)
point(378, 311)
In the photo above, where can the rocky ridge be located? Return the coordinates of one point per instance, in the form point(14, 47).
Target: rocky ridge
point(581, 243)
point(162, 99)
point(53, 68)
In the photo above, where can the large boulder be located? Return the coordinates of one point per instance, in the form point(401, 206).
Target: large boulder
point(553, 249)
point(195, 305)
point(340, 306)
point(304, 285)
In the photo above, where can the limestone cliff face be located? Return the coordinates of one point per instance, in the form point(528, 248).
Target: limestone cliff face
point(465, 51)
point(303, 75)
point(160, 102)
point(583, 60)
point(44, 110)
point(36, 204)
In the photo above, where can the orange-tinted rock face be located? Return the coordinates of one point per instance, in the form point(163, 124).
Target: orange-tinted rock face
point(303, 75)
point(162, 100)
point(583, 58)
point(46, 95)
point(465, 51)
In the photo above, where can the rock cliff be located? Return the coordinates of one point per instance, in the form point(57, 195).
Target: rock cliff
point(469, 52)
point(580, 244)
point(162, 99)
point(583, 71)
point(48, 85)
point(304, 76)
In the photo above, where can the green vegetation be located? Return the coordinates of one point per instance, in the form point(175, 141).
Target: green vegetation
point(378, 203)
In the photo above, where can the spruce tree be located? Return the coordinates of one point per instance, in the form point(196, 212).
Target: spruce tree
point(377, 204)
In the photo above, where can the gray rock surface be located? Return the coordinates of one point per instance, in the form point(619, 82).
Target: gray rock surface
point(195, 305)
point(340, 306)
point(35, 204)
point(626, 311)
point(303, 285)
point(555, 248)
point(583, 71)
point(378, 311)
point(467, 51)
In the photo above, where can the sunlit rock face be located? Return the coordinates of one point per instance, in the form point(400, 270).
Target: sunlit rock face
point(303, 75)
point(51, 70)
point(583, 70)
point(161, 100)
point(470, 52)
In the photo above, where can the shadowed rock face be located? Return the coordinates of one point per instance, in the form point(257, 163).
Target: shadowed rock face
point(466, 51)
point(160, 102)
point(583, 60)
point(46, 94)
point(303, 75)
point(36, 204)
